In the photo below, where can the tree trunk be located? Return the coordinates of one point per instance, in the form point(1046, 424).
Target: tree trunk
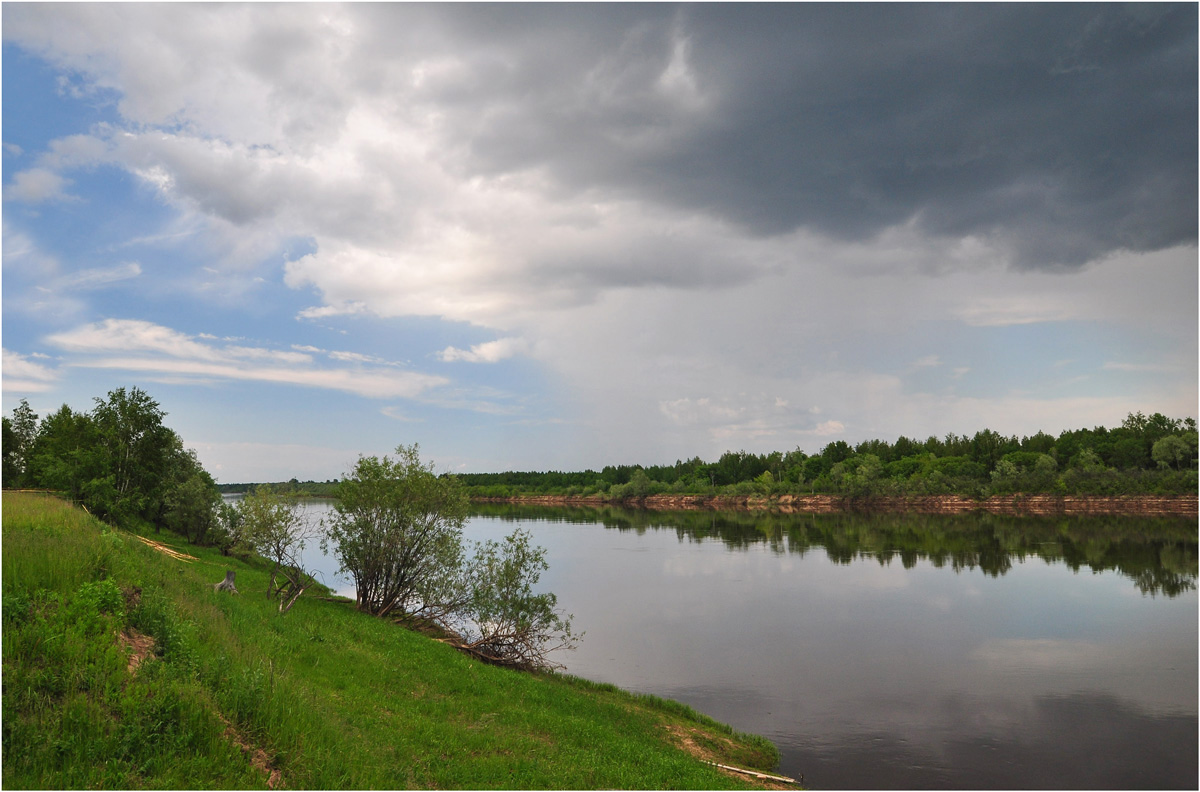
point(226, 584)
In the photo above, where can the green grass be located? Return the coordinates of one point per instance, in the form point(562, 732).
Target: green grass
point(324, 696)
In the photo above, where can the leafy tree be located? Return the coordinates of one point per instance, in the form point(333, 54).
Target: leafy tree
point(905, 448)
point(616, 475)
point(66, 456)
point(506, 622)
point(880, 449)
point(1041, 443)
point(1088, 461)
point(12, 460)
point(192, 505)
point(270, 522)
point(273, 525)
point(19, 436)
point(396, 530)
point(955, 445)
point(137, 448)
point(119, 461)
point(859, 475)
point(815, 467)
point(227, 534)
point(190, 498)
point(1129, 453)
point(837, 451)
point(1082, 461)
point(1024, 471)
point(792, 464)
point(907, 467)
point(1171, 451)
point(638, 486)
point(734, 467)
point(960, 467)
point(987, 447)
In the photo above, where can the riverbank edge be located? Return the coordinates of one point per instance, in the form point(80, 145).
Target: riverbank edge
point(682, 728)
point(1031, 505)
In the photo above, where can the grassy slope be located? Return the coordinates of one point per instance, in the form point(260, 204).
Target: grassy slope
point(322, 697)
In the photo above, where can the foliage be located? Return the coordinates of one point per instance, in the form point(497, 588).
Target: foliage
point(506, 621)
point(66, 456)
point(1145, 455)
point(397, 530)
point(1174, 451)
point(19, 435)
point(227, 533)
point(119, 460)
point(295, 487)
point(638, 486)
point(271, 524)
point(136, 449)
point(191, 503)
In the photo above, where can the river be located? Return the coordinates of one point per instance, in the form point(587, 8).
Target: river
point(893, 652)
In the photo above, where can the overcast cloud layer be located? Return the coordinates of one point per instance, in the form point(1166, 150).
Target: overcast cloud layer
point(564, 236)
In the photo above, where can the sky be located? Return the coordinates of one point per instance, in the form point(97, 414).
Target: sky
point(539, 237)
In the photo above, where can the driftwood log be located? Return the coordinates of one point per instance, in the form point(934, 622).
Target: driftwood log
point(227, 583)
point(755, 773)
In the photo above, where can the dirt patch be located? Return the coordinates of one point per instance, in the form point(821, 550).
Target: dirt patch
point(258, 757)
point(140, 647)
point(133, 597)
point(685, 739)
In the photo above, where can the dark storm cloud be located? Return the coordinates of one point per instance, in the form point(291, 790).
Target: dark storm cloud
point(1060, 132)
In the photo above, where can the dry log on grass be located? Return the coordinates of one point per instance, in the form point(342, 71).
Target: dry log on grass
point(755, 773)
point(162, 548)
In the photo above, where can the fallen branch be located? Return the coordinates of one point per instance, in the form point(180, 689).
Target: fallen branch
point(754, 773)
point(505, 661)
point(162, 548)
point(289, 595)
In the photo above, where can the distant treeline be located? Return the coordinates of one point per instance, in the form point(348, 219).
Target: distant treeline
point(300, 489)
point(1144, 455)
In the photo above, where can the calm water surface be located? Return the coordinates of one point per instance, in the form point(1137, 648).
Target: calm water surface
point(895, 652)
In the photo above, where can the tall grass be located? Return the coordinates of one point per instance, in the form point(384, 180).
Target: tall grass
point(322, 697)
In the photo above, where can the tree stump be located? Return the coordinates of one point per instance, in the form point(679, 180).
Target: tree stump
point(226, 584)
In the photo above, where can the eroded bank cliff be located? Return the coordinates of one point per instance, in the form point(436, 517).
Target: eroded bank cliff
point(1135, 505)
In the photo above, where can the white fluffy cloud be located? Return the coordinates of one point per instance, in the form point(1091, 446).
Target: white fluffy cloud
point(487, 352)
point(139, 346)
point(37, 185)
point(22, 375)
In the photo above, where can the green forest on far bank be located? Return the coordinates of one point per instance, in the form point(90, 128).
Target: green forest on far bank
point(122, 463)
point(1145, 455)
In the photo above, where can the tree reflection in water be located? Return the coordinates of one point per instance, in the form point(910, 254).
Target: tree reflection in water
point(1159, 554)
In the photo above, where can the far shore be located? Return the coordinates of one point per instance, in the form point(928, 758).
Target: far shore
point(1132, 505)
